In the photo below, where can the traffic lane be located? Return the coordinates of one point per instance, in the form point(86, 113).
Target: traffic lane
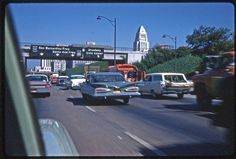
point(163, 127)
point(144, 147)
point(92, 135)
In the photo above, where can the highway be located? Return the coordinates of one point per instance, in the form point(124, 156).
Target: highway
point(144, 127)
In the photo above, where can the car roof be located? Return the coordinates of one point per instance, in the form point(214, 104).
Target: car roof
point(36, 75)
point(165, 73)
point(106, 73)
point(76, 75)
point(63, 76)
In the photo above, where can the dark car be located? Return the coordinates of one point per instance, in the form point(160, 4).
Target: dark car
point(64, 82)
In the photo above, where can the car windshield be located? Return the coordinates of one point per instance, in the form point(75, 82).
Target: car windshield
point(77, 77)
point(37, 78)
point(108, 78)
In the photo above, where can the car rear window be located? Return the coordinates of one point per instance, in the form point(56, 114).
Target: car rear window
point(77, 77)
point(37, 78)
point(108, 78)
point(175, 78)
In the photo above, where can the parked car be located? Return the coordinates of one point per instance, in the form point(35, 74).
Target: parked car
point(108, 85)
point(39, 85)
point(76, 80)
point(158, 84)
point(64, 81)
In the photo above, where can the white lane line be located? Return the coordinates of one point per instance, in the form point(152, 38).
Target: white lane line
point(119, 137)
point(89, 108)
point(147, 145)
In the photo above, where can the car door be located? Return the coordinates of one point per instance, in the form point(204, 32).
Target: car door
point(147, 84)
point(156, 83)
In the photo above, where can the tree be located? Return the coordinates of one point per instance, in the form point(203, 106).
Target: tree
point(183, 51)
point(210, 40)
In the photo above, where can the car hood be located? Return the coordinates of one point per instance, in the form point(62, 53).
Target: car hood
point(113, 84)
point(57, 140)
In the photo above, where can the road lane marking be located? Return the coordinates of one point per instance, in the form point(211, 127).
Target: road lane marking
point(145, 144)
point(89, 108)
point(71, 97)
point(119, 137)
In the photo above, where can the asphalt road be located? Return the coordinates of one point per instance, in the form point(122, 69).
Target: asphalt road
point(143, 127)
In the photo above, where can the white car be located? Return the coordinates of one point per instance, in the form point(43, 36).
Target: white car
point(76, 80)
point(39, 85)
point(158, 84)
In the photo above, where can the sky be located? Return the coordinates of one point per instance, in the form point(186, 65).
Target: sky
point(76, 23)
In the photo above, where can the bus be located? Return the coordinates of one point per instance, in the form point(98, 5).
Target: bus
point(130, 72)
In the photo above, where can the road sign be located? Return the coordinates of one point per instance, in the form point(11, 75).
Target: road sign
point(93, 53)
point(66, 52)
point(45, 51)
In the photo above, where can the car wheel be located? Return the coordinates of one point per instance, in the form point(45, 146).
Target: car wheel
point(141, 93)
point(126, 100)
point(203, 98)
point(180, 95)
point(154, 95)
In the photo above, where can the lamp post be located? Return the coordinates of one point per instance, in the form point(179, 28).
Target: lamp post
point(174, 39)
point(113, 23)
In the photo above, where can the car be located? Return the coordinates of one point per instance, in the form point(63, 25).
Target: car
point(158, 84)
point(54, 79)
point(106, 86)
point(76, 80)
point(39, 85)
point(64, 81)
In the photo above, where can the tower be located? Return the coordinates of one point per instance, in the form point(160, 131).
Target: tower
point(141, 40)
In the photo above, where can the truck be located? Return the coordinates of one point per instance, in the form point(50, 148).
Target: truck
point(208, 85)
point(130, 72)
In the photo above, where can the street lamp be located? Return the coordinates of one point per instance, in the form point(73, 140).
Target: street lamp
point(174, 39)
point(113, 23)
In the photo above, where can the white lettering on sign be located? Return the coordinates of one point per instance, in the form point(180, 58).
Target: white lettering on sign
point(96, 50)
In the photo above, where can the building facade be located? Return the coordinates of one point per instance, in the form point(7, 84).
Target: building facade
point(58, 65)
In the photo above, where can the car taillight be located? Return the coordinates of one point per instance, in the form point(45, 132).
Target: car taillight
point(132, 89)
point(102, 90)
point(48, 85)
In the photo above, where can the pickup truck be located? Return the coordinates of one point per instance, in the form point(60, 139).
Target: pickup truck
point(208, 85)
point(158, 84)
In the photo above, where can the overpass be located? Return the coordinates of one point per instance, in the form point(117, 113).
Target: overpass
point(80, 52)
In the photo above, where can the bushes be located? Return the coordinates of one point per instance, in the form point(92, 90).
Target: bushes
point(186, 65)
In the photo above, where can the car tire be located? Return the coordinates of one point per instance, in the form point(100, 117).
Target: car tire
point(202, 96)
point(126, 100)
point(180, 95)
point(154, 95)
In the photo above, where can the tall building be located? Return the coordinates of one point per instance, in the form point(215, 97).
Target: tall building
point(45, 63)
point(141, 40)
point(58, 65)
